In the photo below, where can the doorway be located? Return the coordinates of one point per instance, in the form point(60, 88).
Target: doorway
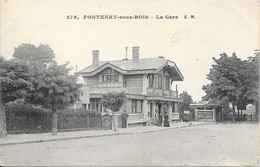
point(160, 113)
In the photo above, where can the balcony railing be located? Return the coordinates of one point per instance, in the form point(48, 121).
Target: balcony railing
point(161, 92)
point(111, 84)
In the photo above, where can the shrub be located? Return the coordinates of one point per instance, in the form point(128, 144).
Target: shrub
point(19, 108)
point(78, 113)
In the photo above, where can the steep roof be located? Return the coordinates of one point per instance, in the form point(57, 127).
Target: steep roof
point(129, 66)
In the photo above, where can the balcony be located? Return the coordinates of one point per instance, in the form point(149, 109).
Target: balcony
point(161, 92)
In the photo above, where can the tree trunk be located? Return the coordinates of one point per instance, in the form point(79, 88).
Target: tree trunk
point(219, 116)
point(3, 131)
point(238, 114)
point(54, 122)
point(234, 112)
point(113, 121)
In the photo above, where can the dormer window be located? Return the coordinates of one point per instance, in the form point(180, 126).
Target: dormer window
point(110, 76)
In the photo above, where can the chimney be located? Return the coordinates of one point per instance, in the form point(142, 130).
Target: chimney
point(125, 54)
point(95, 58)
point(135, 54)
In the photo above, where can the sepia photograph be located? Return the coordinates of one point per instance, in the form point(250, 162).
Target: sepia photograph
point(129, 83)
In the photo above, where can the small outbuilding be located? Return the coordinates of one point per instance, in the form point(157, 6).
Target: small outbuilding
point(204, 112)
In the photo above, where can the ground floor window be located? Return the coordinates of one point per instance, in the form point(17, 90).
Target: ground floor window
point(137, 106)
point(94, 104)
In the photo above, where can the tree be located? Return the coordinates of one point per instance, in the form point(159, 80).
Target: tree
point(186, 101)
point(252, 81)
point(54, 88)
point(113, 101)
point(37, 58)
point(15, 83)
point(227, 78)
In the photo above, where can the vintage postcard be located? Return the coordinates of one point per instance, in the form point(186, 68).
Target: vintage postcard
point(129, 83)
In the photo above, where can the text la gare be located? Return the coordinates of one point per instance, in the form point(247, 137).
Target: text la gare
point(175, 17)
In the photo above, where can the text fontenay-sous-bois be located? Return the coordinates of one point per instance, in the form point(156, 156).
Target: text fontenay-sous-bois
point(131, 17)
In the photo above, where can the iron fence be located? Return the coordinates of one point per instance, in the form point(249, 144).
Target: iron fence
point(28, 124)
point(17, 125)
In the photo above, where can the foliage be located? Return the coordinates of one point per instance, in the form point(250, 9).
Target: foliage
point(186, 101)
point(15, 80)
point(113, 100)
point(252, 78)
point(20, 109)
point(56, 89)
point(233, 81)
point(227, 78)
point(37, 58)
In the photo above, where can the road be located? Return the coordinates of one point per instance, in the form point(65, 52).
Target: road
point(204, 145)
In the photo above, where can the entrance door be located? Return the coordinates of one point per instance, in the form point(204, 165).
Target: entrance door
point(160, 113)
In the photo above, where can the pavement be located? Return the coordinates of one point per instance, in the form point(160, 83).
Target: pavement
point(13, 139)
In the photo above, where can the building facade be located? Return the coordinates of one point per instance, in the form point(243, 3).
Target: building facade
point(146, 82)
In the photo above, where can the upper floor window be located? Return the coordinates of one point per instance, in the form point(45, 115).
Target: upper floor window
point(159, 81)
point(151, 80)
point(167, 83)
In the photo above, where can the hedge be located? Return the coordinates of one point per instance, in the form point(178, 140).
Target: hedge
point(79, 113)
point(21, 109)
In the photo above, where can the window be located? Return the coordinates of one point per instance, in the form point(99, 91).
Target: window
point(151, 79)
point(134, 106)
point(104, 78)
point(110, 75)
point(141, 107)
point(167, 83)
point(137, 106)
point(108, 78)
point(160, 82)
point(94, 104)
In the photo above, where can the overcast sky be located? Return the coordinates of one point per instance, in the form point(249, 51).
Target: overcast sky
point(220, 26)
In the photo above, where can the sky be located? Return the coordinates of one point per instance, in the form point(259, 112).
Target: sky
point(219, 26)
